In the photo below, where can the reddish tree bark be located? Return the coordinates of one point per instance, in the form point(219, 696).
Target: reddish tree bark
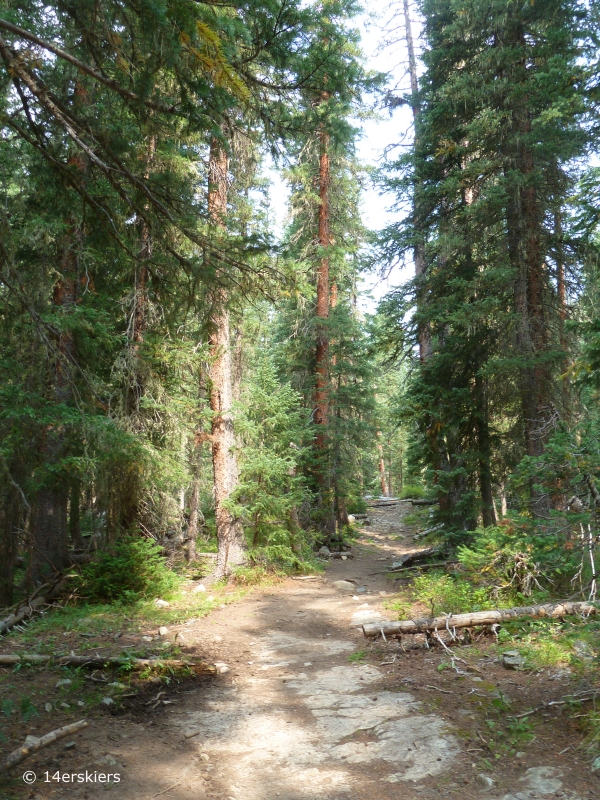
point(230, 532)
point(321, 415)
point(382, 476)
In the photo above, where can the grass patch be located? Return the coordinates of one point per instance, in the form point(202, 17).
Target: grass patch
point(357, 657)
point(400, 607)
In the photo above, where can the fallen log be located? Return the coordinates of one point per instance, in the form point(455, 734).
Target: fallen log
point(414, 555)
point(471, 620)
point(21, 614)
point(423, 502)
point(37, 599)
point(32, 744)
point(99, 662)
point(431, 565)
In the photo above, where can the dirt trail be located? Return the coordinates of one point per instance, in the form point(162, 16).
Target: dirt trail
point(303, 714)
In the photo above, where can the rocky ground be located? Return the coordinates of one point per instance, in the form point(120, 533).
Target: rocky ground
point(307, 709)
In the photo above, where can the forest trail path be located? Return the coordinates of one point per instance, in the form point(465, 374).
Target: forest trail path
point(310, 711)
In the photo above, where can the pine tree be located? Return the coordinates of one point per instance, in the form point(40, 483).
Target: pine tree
point(500, 120)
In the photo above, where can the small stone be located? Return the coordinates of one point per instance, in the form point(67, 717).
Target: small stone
point(324, 551)
point(512, 659)
point(199, 588)
point(204, 756)
point(80, 703)
point(65, 705)
point(217, 638)
point(162, 631)
point(222, 667)
point(117, 685)
point(107, 701)
point(308, 663)
point(48, 707)
point(147, 638)
point(583, 650)
point(70, 745)
point(63, 682)
point(161, 603)
point(344, 558)
point(596, 764)
point(361, 590)
point(485, 781)
point(351, 519)
point(343, 586)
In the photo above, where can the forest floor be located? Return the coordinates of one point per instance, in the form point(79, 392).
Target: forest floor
point(309, 710)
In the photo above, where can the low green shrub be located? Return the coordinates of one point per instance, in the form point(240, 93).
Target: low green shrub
point(520, 560)
point(412, 492)
point(133, 570)
point(356, 504)
point(446, 594)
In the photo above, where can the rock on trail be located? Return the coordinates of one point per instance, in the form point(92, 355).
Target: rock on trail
point(318, 731)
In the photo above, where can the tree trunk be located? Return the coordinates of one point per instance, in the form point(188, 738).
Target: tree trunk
point(321, 402)
point(503, 501)
point(424, 334)
point(11, 518)
point(382, 478)
point(524, 219)
point(75, 515)
point(192, 531)
point(49, 528)
point(484, 446)
point(561, 291)
point(140, 301)
point(50, 550)
point(321, 415)
point(230, 533)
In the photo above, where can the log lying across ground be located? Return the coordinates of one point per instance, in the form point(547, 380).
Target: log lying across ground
point(22, 614)
point(27, 749)
point(413, 556)
point(494, 617)
point(99, 662)
point(41, 597)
